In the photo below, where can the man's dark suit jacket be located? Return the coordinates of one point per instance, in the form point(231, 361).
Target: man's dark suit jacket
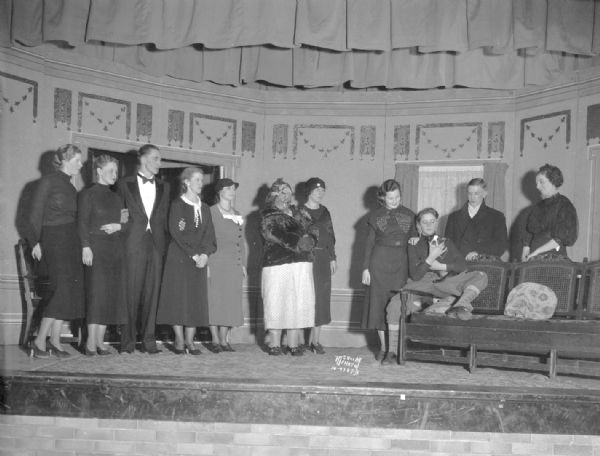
point(138, 220)
point(485, 233)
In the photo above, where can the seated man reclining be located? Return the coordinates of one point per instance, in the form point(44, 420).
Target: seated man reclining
point(437, 268)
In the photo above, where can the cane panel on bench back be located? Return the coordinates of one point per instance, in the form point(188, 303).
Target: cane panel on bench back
point(561, 276)
point(493, 297)
point(591, 291)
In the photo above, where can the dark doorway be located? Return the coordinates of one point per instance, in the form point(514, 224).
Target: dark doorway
point(170, 171)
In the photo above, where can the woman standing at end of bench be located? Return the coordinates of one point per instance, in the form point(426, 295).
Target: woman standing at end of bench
point(552, 224)
point(385, 266)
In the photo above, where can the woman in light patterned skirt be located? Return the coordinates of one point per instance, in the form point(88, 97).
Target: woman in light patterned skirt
point(287, 278)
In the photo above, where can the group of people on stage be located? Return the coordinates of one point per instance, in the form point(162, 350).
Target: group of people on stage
point(111, 261)
point(404, 251)
point(132, 258)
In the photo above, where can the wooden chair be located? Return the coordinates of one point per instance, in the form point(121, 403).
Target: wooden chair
point(31, 286)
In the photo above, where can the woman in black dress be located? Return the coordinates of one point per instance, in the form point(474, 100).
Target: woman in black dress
point(100, 225)
point(552, 224)
point(55, 240)
point(324, 264)
point(183, 295)
point(386, 260)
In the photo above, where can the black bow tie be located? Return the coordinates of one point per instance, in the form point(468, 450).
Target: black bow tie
point(146, 179)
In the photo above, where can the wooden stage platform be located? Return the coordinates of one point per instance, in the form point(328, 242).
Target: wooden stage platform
point(344, 387)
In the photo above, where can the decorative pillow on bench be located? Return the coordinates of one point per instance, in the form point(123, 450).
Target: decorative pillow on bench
point(532, 301)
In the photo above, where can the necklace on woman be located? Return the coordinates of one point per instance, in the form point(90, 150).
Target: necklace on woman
point(224, 210)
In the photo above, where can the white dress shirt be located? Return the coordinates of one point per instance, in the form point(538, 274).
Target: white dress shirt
point(473, 210)
point(148, 194)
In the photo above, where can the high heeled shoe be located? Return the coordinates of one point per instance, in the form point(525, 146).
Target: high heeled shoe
point(103, 352)
point(296, 351)
point(57, 351)
point(191, 350)
point(178, 351)
point(35, 352)
point(227, 348)
point(214, 348)
point(88, 352)
point(317, 348)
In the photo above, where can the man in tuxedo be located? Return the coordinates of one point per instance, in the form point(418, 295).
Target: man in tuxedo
point(477, 229)
point(146, 199)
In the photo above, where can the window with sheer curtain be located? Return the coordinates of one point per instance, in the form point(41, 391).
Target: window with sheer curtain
point(445, 188)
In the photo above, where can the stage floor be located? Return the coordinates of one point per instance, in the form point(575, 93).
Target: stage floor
point(344, 387)
point(355, 366)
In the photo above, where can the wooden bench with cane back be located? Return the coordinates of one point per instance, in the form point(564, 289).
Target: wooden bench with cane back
point(568, 343)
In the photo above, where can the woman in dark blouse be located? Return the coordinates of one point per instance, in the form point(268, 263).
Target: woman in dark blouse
point(386, 262)
point(184, 294)
point(100, 225)
point(324, 264)
point(55, 240)
point(552, 225)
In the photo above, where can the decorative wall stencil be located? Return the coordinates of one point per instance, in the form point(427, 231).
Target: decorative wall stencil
point(21, 91)
point(324, 138)
point(435, 136)
point(401, 142)
point(280, 140)
point(212, 132)
point(109, 114)
point(175, 127)
point(248, 137)
point(495, 139)
point(593, 124)
point(367, 141)
point(546, 128)
point(63, 100)
point(143, 121)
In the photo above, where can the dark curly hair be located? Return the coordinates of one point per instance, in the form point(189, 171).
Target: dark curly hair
point(388, 186)
point(552, 173)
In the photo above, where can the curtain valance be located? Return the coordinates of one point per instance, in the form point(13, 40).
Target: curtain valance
point(364, 43)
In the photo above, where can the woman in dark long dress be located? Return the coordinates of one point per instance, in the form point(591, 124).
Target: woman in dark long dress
point(100, 226)
point(386, 260)
point(183, 295)
point(324, 264)
point(55, 240)
point(227, 268)
point(552, 225)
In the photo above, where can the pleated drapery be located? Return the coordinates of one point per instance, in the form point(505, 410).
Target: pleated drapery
point(494, 175)
point(498, 44)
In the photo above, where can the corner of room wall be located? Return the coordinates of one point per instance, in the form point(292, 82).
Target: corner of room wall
point(350, 139)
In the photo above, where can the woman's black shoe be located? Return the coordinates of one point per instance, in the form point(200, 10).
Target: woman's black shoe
point(57, 351)
point(214, 348)
point(296, 351)
point(317, 348)
point(35, 352)
point(103, 352)
point(275, 351)
point(227, 348)
point(178, 351)
point(190, 349)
